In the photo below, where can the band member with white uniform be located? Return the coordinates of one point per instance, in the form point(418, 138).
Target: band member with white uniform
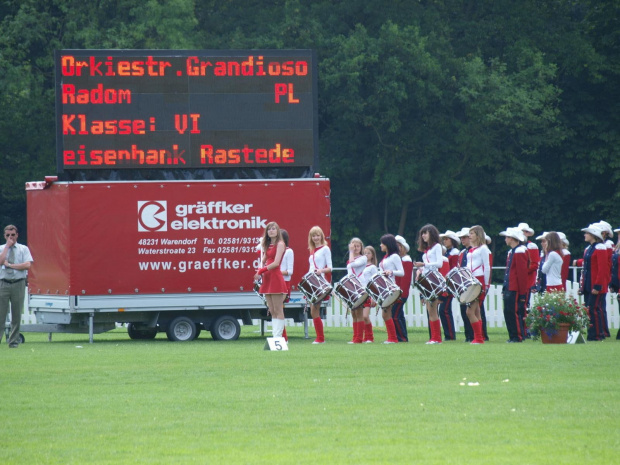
point(553, 262)
point(320, 263)
point(429, 244)
point(398, 309)
point(480, 267)
point(369, 272)
point(286, 266)
point(355, 267)
point(392, 266)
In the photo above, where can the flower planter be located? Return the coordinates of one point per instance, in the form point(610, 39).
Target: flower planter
point(558, 338)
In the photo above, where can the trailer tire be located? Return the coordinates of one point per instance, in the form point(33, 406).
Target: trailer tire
point(225, 328)
point(136, 333)
point(181, 329)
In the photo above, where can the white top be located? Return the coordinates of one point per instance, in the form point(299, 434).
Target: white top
point(321, 258)
point(288, 259)
point(368, 273)
point(553, 269)
point(433, 258)
point(21, 255)
point(392, 263)
point(357, 266)
point(478, 263)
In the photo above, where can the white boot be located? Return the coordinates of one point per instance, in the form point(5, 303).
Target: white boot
point(277, 327)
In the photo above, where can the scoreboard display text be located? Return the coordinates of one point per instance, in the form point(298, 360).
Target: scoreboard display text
point(135, 109)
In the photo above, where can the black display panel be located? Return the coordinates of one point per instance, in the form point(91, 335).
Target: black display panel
point(180, 110)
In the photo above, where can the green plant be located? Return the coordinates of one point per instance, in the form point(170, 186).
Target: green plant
point(550, 309)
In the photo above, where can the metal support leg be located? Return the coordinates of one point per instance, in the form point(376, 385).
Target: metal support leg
point(91, 327)
point(306, 325)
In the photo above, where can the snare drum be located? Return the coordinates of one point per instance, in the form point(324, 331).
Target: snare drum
point(383, 290)
point(351, 291)
point(463, 285)
point(315, 287)
point(431, 284)
point(257, 285)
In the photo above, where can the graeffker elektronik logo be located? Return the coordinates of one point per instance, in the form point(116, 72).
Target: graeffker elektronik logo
point(152, 215)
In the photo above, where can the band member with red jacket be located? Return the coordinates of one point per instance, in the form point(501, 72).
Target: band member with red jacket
point(463, 235)
point(404, 282)
point(566, 256)
point(608, 236)
point(614, 285)
point(516, 284)
point(451, 242)
point(534, 259)
point(596, 276)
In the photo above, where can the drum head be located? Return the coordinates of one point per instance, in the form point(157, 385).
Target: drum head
point(470, 294)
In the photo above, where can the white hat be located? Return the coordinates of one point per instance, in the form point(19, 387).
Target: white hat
point(526, 228)
point(595, 230)
point(542, 236)
point(604, 226)
point(401, 240)
point(515, 233)
point(617, 230)
point(463, 232)
point(563, 238)
point(452, 235)
point(487, 238)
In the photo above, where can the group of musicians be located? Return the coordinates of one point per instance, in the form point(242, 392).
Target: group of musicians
point(445, 272)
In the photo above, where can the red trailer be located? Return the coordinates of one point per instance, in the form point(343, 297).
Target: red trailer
point(162, 256)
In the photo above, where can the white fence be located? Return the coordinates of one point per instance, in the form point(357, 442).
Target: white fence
point(415, 313)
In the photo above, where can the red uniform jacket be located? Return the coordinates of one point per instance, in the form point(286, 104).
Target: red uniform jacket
point(518, 272)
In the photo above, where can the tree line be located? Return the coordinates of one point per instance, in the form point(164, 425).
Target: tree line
point(451, 112)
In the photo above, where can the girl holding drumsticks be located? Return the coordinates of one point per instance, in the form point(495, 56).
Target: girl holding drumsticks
point(273, 285)
point(392, 266)
point(356, 266)
point(369, 272)
point(478, 264)
point(320, 263)
point(429, 244)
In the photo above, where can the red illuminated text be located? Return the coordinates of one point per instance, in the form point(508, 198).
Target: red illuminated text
point(70, 66)
point(250, 67)
point(96, 95)
point(78, 124)
point(135, 156)
point(277, 155)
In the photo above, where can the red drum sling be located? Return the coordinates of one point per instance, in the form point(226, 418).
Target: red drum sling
point(383, 290)
point(351, 291)
point(463, 285)
point(315, 287)
point(431, 284)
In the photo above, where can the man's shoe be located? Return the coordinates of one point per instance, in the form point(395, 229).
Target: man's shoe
point(13, 346)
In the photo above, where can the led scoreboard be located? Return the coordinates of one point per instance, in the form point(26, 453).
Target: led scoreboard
point(170, 109)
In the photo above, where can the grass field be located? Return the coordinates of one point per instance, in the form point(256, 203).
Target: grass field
point(122, 401)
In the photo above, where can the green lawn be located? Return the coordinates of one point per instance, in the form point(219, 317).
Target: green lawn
point(123, 401)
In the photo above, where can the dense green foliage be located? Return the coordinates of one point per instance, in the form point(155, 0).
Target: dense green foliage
point(453, 112)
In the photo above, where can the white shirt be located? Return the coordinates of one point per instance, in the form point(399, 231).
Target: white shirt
point(21, 255)
point(478, 263)
point(394, 264)
point(553, 269)
point(433, 258)
point(368, 273)
point(321, 258)
point(287, 263)
point(357, 266)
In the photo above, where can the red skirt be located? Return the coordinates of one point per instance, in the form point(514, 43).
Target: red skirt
point(273, 282)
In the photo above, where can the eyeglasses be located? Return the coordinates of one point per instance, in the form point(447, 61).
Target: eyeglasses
point(10, 235)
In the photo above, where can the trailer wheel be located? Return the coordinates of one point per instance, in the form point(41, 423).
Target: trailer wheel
point(140, 333)
point(21, 338)
point(225, 328)
point(181, 329)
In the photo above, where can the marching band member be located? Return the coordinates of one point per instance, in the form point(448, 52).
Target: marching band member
point(404, 282)
point(541, 278)
point(553, 263)
point(516, 284)
point(369, 272)
point(392, 266)
point(356, 264)
point(534, 260)
point(428, 243)
point(483, 312)
point(566, 257)
point(450, 241)
point(288, 261)
point(320, 263)
point(615, 272)
point(463, 235)
point(273, 286)
point(595, 280)
point(608, 236)
point(478, 264)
